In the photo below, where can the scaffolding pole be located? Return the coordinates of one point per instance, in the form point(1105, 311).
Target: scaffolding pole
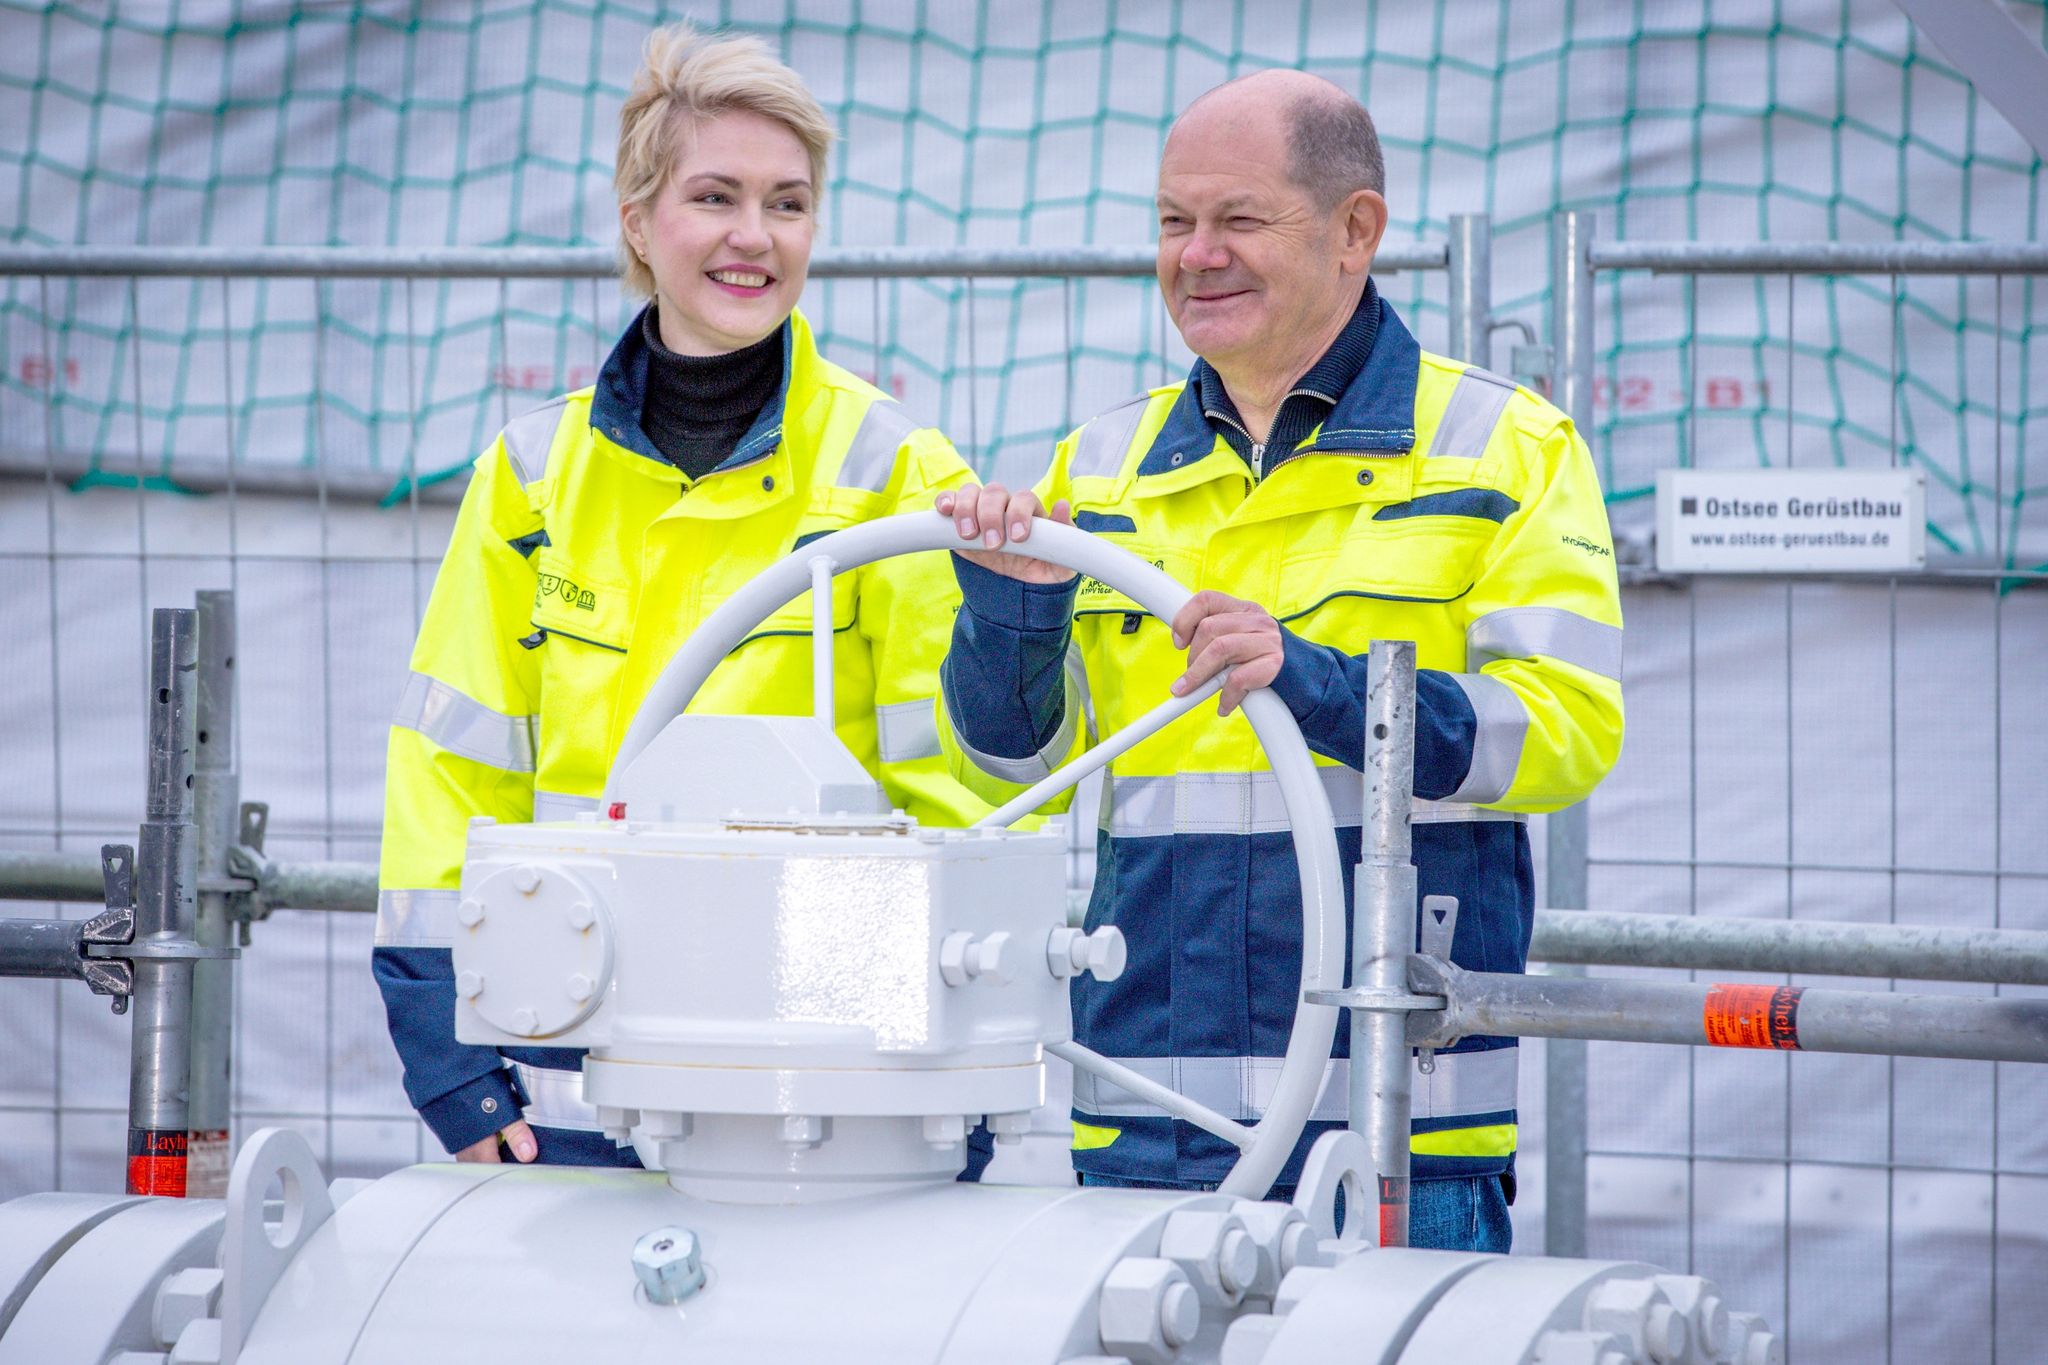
point(1725, 1014)
point(216, 807)
point(1567, 834)
point(1383, 930)
point(160, 1046)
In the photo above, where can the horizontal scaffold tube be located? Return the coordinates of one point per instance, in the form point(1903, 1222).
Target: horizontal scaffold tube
point(1822, 948)
point(41, 947)
point(556, 263)
point(1778, 1018)
point(2010, 957)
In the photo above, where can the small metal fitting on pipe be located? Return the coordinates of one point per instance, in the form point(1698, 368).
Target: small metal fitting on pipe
point(669, 1265)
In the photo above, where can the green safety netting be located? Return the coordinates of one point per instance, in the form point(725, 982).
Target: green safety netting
point(234, 124)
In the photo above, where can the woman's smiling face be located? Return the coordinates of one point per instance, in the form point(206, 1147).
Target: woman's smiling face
point(728, 237)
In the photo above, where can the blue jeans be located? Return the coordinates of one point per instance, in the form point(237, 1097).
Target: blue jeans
point(1464, 1214)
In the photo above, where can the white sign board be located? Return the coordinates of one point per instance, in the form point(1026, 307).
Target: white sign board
point(1791, 520)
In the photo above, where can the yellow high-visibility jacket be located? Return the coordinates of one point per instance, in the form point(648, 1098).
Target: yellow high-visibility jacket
point(1436, 503)
point(580, 560)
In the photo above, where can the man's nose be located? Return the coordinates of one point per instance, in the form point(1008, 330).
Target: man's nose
point(1204, 252)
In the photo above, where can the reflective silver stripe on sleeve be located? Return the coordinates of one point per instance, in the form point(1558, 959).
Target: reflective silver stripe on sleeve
point(555, 1098)
point(1032, 767)
point(1100, 449)
point(871, 457)
point(416, 918)
point(1477, 401)
point(1242, 1087)
point(1525, 632)
point(1503, 723)
point(463, 725)
point(908, 730)
point(1248, 803)
point(558, 806)
point(530, 436)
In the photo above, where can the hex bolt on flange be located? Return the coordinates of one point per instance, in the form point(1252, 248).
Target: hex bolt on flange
point(1214, 1251)
point(1283, 1238)
point(1148, 1310)
point(963, 957)
point(805, 1130)
point(1640, 1312)
point(1752, 1342)
point(1102, 954)
point(526, 880)
point(1009, 1128)
point(669, 1264)
point(1697, 1299)
point(1249, 1338)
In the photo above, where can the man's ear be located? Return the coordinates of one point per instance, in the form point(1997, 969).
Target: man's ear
point(1363, 223)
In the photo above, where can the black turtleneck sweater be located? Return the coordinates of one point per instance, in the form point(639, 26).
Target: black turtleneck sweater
point(699, 407)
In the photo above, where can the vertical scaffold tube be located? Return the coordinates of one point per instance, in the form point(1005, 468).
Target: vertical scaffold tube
point(1566, 832)
point(216, 812)
point(159, 1059)
point(1471, 280)
point(1383, 931)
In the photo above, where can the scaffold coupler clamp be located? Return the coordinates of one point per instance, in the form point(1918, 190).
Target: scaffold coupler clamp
point(113, 927)
point(251, 875)
point(1439, 923)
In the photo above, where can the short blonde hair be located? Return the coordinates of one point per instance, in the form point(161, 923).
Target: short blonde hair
point(685, 77)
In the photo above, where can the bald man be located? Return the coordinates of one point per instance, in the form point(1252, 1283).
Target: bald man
point(1322, 482)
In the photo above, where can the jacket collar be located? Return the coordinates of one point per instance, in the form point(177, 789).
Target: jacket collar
point(1374, 415)
point(620, 396)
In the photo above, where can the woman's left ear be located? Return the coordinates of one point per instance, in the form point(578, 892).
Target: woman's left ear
point(629, 224)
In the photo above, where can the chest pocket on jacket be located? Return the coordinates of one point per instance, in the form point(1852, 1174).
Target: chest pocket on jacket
point(1427, 548)
point(1178, 562)
point(794, 618)
point(587, 622)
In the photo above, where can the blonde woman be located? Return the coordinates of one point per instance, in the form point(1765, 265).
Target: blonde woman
point(598, 532)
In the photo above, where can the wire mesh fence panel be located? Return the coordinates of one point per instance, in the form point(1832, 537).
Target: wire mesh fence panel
point(1840, 750)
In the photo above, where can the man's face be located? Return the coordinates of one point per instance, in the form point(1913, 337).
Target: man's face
point(1248, 264)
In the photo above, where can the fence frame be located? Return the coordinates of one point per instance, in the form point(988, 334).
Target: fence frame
point(241, 886)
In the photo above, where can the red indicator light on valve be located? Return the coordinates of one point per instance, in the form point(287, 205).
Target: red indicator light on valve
point(616, 811)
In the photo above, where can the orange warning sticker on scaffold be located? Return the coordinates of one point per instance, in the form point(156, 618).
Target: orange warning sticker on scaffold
point(156, 1161)
point(1752, 1016)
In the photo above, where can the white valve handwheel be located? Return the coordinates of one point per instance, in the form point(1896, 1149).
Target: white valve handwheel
point(1267, 1145)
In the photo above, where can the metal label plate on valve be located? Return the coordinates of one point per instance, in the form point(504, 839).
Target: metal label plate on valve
point(1791, 520)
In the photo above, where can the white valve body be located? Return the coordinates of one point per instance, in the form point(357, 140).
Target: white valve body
point(732, 969)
